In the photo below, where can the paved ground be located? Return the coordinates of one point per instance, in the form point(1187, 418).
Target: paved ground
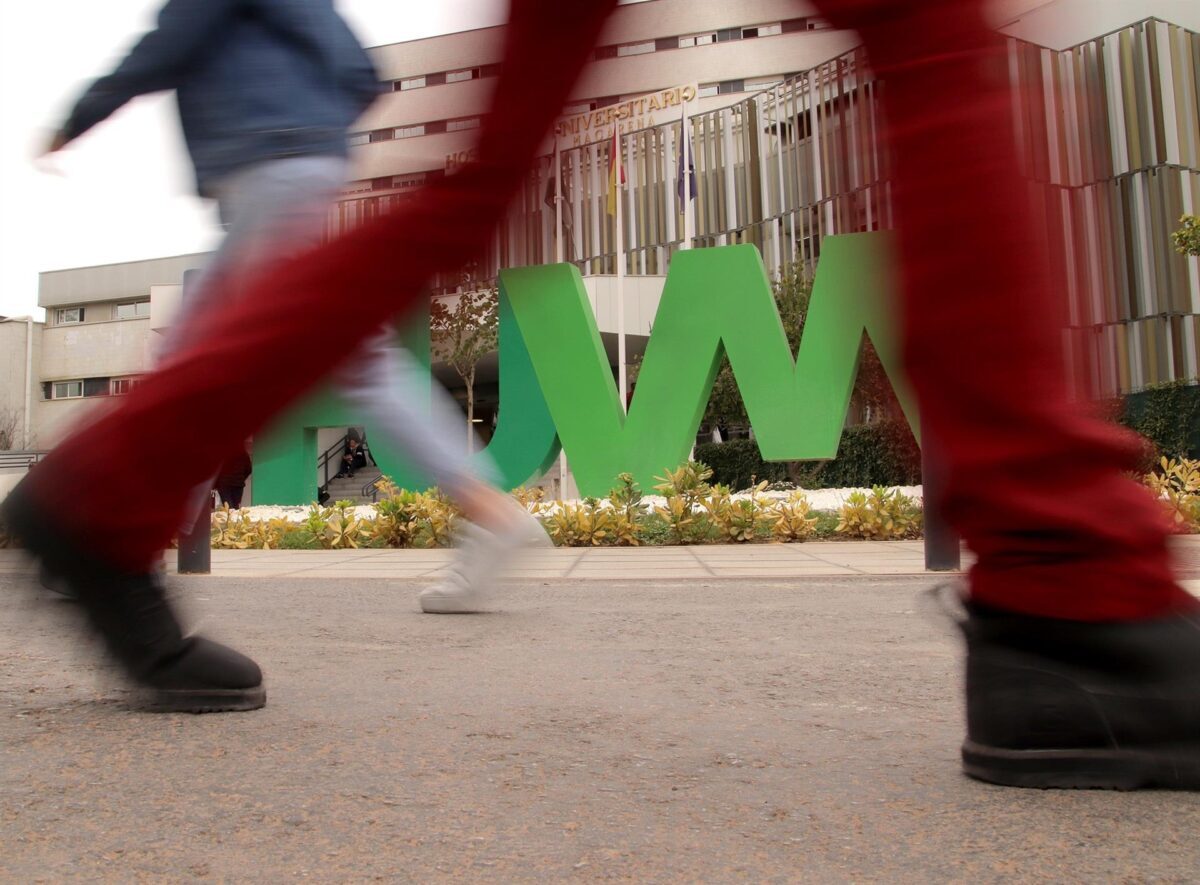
point(717, 729)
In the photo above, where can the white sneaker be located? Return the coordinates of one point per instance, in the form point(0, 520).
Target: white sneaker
point(478, 563)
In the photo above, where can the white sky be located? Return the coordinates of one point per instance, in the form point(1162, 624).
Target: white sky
point(126, 190)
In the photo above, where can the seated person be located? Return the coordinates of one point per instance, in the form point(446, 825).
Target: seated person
point(353, 457)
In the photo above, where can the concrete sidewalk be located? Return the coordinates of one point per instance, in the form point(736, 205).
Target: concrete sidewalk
point(806, 559)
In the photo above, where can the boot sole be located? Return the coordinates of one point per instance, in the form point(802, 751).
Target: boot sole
point(450, 605)
point(177, 700)
point(1169, 768)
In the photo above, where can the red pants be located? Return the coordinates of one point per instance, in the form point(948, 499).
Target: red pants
point(1034, 486)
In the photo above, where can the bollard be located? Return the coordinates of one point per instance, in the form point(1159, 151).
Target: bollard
point(195, 547)
point(942, 549)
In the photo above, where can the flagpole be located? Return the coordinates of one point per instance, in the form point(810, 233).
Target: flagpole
point(689, 221)
point(558, 201)
point(620, 248)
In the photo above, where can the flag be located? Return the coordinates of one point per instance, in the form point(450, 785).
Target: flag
point(616, 171)
point(686, 164)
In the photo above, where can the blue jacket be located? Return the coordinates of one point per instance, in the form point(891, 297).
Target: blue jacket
point(255, 80)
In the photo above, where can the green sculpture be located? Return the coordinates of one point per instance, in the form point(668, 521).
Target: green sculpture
point(556, 382)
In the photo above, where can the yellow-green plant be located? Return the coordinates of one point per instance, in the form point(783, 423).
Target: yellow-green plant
point(532, 499)
point(885, 515)
point(398, 516)
point(344, 529)
point(684, 488)
point(791, 520)
point(683, 523)
point(689, 482)
point(626, 500)
point(1177, 485)
point(587, 524)
point(739, 520)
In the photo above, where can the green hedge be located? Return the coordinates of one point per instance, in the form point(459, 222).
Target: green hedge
point(1168, 415)
point(870, 454)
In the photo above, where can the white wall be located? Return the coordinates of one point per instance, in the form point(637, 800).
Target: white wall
point(13, 381)
point(94, 350)
point(1064, 23)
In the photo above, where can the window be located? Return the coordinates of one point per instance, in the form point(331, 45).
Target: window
point(460, 125)
point(133, 310)
point(708, 90)
point(410, 131)
point(636, 48)
point(459, 76)
point(727, 86)
point(411, 83)
point(697, 40)
point(381, 135)
point(68, 389)
point(769, 30)
point(359, 138)
point(65, 315)
point(121, 386)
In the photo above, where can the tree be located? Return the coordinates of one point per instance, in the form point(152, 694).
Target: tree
point(1187, 238)
point(463, 334)
point(10, 422)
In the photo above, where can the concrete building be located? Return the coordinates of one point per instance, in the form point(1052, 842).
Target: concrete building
point(100, 334)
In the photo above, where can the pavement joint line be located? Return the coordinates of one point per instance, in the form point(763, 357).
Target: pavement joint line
point(703, 564)
point(575, 564)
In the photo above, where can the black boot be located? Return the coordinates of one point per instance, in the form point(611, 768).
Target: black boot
point(133, 617)
point(1054, 703)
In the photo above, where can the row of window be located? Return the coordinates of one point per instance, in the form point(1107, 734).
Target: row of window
point(434, 127)
point(722, 35)
point(620, 50)
point(87, 387)
point(133, 310)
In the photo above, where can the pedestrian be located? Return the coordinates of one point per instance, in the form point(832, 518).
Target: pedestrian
point(267, 91)
point(1083, 653)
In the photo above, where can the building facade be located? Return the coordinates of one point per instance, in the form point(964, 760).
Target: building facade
point(783, 129)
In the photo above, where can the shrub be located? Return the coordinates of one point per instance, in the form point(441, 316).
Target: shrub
point(884, 453)
point(791, 518)
point(885, 515)
point(1168, 415)
point(737, 521)
point(1177, 485)
point(684, 488)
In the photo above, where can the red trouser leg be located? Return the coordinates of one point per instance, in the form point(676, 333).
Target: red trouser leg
point(1035, 486)
point(289, 327)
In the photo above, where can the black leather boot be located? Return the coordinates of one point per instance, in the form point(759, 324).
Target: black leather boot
point(1069, 704)
point(133, 617)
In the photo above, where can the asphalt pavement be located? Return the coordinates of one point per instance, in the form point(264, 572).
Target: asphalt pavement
point(702, 729)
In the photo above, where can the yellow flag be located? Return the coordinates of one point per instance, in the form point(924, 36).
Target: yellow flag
point(616, 172)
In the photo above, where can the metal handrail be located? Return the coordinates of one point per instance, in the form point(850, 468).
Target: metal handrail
point(20, 459)
point(371, 489)
point(326, 457)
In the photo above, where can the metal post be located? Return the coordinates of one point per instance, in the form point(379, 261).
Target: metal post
point(942, 549)
point(195, 545)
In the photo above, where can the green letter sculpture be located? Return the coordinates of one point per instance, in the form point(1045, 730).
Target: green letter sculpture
point(556, 383)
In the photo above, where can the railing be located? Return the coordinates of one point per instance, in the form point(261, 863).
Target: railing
point(327, 456)
point(20, 460)
point(371, 489)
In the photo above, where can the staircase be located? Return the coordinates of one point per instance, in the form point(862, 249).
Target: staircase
point(350, 488)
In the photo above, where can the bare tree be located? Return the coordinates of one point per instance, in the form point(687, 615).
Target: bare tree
point(463, 334)
point(10, 427)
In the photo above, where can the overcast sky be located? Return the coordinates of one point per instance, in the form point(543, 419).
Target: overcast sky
point(126, 190)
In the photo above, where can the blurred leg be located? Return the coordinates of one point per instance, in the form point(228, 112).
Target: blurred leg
point(286, 328)
point(1035, 486)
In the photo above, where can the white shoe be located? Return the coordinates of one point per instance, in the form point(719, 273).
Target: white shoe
point(478, 563)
